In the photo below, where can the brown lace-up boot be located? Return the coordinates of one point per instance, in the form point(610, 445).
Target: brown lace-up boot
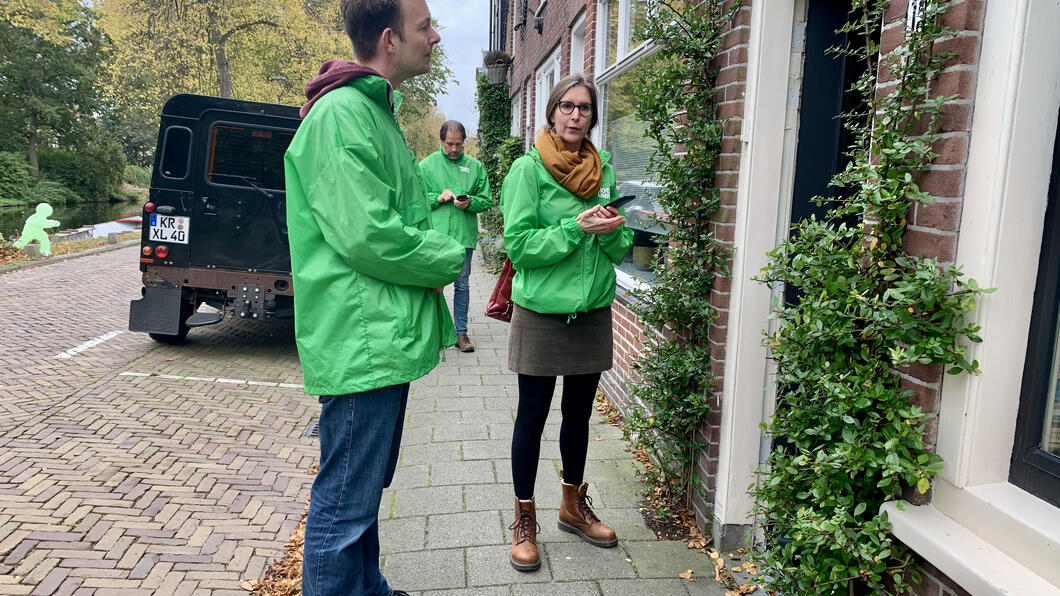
point(576, 516)
point(524, 537)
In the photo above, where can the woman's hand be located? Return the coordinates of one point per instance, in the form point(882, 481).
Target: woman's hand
point(599, 220)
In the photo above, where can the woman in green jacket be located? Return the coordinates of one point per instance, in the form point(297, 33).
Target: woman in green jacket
point(563, 243)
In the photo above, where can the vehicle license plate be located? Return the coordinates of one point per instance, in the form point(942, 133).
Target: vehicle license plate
point(169, 228)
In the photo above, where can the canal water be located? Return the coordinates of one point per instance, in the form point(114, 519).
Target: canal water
point(70, 216)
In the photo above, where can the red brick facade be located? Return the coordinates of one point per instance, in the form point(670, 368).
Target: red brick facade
point(933, 228)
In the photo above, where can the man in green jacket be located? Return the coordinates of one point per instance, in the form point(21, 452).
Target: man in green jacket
point(368, 272)
point(457, 189)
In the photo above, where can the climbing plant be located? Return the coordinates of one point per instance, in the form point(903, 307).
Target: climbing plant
point(675, 99)
point(497, 150)
point(845, 436)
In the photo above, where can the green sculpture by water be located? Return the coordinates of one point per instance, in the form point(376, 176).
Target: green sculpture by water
point(34, 229)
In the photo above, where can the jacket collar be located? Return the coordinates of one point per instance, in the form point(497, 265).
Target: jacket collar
point(379, 90)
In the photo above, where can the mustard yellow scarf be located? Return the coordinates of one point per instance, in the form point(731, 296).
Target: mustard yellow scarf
point(581, 172)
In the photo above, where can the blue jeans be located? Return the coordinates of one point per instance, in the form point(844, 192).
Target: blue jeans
point(460, 295)
point(360, 436)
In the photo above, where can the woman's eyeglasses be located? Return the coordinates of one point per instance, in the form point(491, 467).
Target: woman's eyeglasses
point(585, 109)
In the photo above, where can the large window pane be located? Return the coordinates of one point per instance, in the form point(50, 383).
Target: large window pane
point(247, 156)
point(630, 152)
point(176, 152)
point(638, 14)
point(1051, 433)
point(611, 32)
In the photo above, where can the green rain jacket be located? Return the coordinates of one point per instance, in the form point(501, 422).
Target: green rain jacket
point(463, 176)
point(560, 269)
point(364, 258)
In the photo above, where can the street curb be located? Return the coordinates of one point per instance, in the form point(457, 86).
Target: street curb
point(60, 258)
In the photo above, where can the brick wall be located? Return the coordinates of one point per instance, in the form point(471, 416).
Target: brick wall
point(933, 229)
point(530, 49)
point(935, 583)
point(731, 84)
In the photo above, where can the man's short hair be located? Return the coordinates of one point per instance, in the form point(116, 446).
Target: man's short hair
point(365, 21)
point(452, 125)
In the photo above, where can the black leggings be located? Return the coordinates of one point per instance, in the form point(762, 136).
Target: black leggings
point(535, 398)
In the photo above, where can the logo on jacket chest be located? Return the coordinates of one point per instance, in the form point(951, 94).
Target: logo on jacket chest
point(465, 169)
point(605, 193)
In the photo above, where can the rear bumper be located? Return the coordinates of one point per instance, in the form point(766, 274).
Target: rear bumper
point(223, 280)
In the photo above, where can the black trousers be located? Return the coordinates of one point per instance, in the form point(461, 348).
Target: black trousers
point(535, 398)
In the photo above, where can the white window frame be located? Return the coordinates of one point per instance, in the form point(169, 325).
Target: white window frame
point(517, 113)
point(526, 112)
point(605, 75)
point(625, 60)
point(542, 89)
point(624, 34)
point(577, 46)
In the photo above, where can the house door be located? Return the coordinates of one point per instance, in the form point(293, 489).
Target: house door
point(822, 139)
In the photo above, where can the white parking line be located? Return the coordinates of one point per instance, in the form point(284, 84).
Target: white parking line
point(213, 380)
point(88, 344)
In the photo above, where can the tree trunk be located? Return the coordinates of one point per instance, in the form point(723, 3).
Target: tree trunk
point(32, 149)
point(224, 75)
point(217, 40)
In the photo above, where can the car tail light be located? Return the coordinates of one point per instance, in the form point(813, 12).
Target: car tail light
point(149, 207)
point(146, 250)
point(161, 251)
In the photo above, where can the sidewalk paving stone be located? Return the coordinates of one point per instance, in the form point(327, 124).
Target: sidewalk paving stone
point(454, 530)
point(667, 559)
point(462, 472)
point(558, 589)
point(403, 534)
point(426, 570)
point(428, 501)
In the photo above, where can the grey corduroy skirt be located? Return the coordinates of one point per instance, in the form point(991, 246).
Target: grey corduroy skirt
point(548, 345)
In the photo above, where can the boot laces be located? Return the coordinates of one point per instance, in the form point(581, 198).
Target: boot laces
point(585, 503)
point(524, 527)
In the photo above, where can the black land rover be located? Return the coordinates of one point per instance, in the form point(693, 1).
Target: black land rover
point(215, 224)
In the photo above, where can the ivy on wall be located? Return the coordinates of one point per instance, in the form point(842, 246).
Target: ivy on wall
point(673, 378)
point(497, 150)
point(845, 436)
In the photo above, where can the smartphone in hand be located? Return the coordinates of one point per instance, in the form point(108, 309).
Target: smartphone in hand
point(620, 201)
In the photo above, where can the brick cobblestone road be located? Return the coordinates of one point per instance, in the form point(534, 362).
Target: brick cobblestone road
point(132, 467)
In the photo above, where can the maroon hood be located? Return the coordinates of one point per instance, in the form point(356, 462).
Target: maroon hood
point(333, 74)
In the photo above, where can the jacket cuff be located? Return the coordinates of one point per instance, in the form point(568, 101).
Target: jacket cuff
point(573, 230)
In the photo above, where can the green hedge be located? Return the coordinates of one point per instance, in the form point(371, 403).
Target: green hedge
point(94, 172)
point(138, 176)
point(15, 178)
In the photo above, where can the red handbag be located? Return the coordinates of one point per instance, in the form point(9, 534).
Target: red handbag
point(500, 305)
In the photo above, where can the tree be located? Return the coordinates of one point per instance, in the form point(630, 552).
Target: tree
point(47, 18)
point(249, 49)
point(262, 50)
point(47, 87)
point(422, 132)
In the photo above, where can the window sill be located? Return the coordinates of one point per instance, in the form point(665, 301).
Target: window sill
point(1008, 543)
point(626, 281)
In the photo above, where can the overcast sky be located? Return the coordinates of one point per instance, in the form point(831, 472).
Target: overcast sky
point(464, 27)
